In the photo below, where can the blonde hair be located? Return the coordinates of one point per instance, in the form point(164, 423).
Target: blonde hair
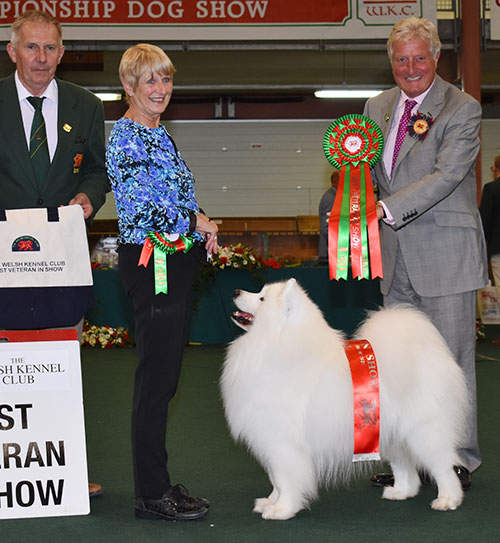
point(414, 29)
point(33, 16)
point(141, 59)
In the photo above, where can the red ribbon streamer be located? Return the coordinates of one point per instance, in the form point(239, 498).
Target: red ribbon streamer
point(337, 267)
point(333, 226)
point(365, 384)
point(147, 250)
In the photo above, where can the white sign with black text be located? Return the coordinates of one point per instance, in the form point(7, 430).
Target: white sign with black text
point(43, 464)
point(495, 19)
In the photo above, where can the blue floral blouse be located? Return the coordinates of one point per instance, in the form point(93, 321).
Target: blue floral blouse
point(153, 187)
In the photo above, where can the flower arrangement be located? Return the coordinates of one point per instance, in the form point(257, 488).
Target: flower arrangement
point(104, 336)
point(241, 257)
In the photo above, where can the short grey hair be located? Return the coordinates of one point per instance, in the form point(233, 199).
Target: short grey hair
point(34, 16)
point(414, 29)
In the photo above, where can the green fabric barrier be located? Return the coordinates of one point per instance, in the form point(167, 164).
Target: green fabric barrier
point(343, 303)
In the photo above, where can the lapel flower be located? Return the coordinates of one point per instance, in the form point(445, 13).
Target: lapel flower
point(419, 125)
point(77, 162)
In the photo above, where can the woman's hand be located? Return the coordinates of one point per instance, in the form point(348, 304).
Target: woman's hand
point(208, 229)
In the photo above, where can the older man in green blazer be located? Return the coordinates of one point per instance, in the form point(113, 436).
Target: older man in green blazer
point(73, 130)
point(74, 123)
point(433, 247)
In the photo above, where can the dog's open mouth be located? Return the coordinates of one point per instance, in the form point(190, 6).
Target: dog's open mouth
point(242, 319)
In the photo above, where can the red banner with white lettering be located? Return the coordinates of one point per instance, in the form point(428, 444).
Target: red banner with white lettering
point(220, 19)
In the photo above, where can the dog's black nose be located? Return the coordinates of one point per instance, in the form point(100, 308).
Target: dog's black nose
point(237, 292)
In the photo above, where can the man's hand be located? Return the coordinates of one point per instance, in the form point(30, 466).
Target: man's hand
point(83, 200)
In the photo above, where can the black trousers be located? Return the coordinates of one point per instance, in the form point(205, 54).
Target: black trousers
point(161, 325)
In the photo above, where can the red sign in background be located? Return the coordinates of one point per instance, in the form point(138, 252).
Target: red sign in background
point(182, 11)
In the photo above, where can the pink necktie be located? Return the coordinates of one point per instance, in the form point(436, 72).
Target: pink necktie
point(402, 129)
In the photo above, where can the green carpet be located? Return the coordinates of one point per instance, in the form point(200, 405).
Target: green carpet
point(203, 458)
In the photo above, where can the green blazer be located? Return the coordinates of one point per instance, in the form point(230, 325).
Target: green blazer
point(78, 163)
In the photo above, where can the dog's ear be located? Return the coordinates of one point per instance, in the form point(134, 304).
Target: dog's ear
point(289, 296)
point(290, 284)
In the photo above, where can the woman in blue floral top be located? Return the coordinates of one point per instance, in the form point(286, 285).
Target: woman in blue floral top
point(161, 238)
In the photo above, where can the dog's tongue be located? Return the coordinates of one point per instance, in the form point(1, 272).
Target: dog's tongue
point(242, 316)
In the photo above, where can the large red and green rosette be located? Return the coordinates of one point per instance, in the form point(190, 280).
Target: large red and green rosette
point(354, 143)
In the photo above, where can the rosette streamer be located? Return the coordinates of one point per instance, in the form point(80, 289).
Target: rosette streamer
point(161, 245)
point(366, 398)
point(353, 144)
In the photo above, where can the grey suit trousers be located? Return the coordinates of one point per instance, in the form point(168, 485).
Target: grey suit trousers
point(454, 316)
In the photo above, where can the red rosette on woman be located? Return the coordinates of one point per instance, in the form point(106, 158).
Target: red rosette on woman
point(354, 143)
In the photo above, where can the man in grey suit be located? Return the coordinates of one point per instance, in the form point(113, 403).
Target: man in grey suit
point(73, 134)
point(433, 248)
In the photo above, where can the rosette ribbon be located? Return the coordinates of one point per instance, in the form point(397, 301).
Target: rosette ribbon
point(366, 398)
point(161, 245)
point(354, 143)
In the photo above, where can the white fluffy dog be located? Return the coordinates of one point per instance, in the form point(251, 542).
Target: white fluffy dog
point(287, 393)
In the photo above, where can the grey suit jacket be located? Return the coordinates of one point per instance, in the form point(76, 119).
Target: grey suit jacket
point(78, 163)
point(432, 195)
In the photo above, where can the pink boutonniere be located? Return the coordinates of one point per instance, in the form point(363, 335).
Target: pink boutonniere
point(419, 125)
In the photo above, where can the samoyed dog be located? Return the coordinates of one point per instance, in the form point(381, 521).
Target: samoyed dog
point(288, 396)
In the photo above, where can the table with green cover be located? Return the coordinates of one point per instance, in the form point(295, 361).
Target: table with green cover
point(343, 303)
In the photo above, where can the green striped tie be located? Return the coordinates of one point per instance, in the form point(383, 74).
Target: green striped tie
point(39, 149)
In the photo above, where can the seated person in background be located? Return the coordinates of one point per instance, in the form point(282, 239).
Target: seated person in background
point(325, 206)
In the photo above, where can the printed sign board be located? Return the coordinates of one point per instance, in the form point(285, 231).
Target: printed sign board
point(43, 462)
point(495, 19)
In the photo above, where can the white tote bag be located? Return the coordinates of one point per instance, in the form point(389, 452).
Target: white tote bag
point(44, 248)
point(45, 272)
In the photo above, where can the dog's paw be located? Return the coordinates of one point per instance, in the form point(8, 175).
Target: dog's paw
point(446, 503)
point(260, 503)
point(274, 511)
point(393, 493)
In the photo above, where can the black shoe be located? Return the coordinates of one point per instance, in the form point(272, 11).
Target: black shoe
point(181, 495)
point(168, 508)
point(387, 479)
point(464, 475)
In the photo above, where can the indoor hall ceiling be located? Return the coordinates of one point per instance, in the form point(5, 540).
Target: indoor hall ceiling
point(257, 70)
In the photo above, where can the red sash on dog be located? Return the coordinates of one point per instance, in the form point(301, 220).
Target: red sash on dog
point(365, 386)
